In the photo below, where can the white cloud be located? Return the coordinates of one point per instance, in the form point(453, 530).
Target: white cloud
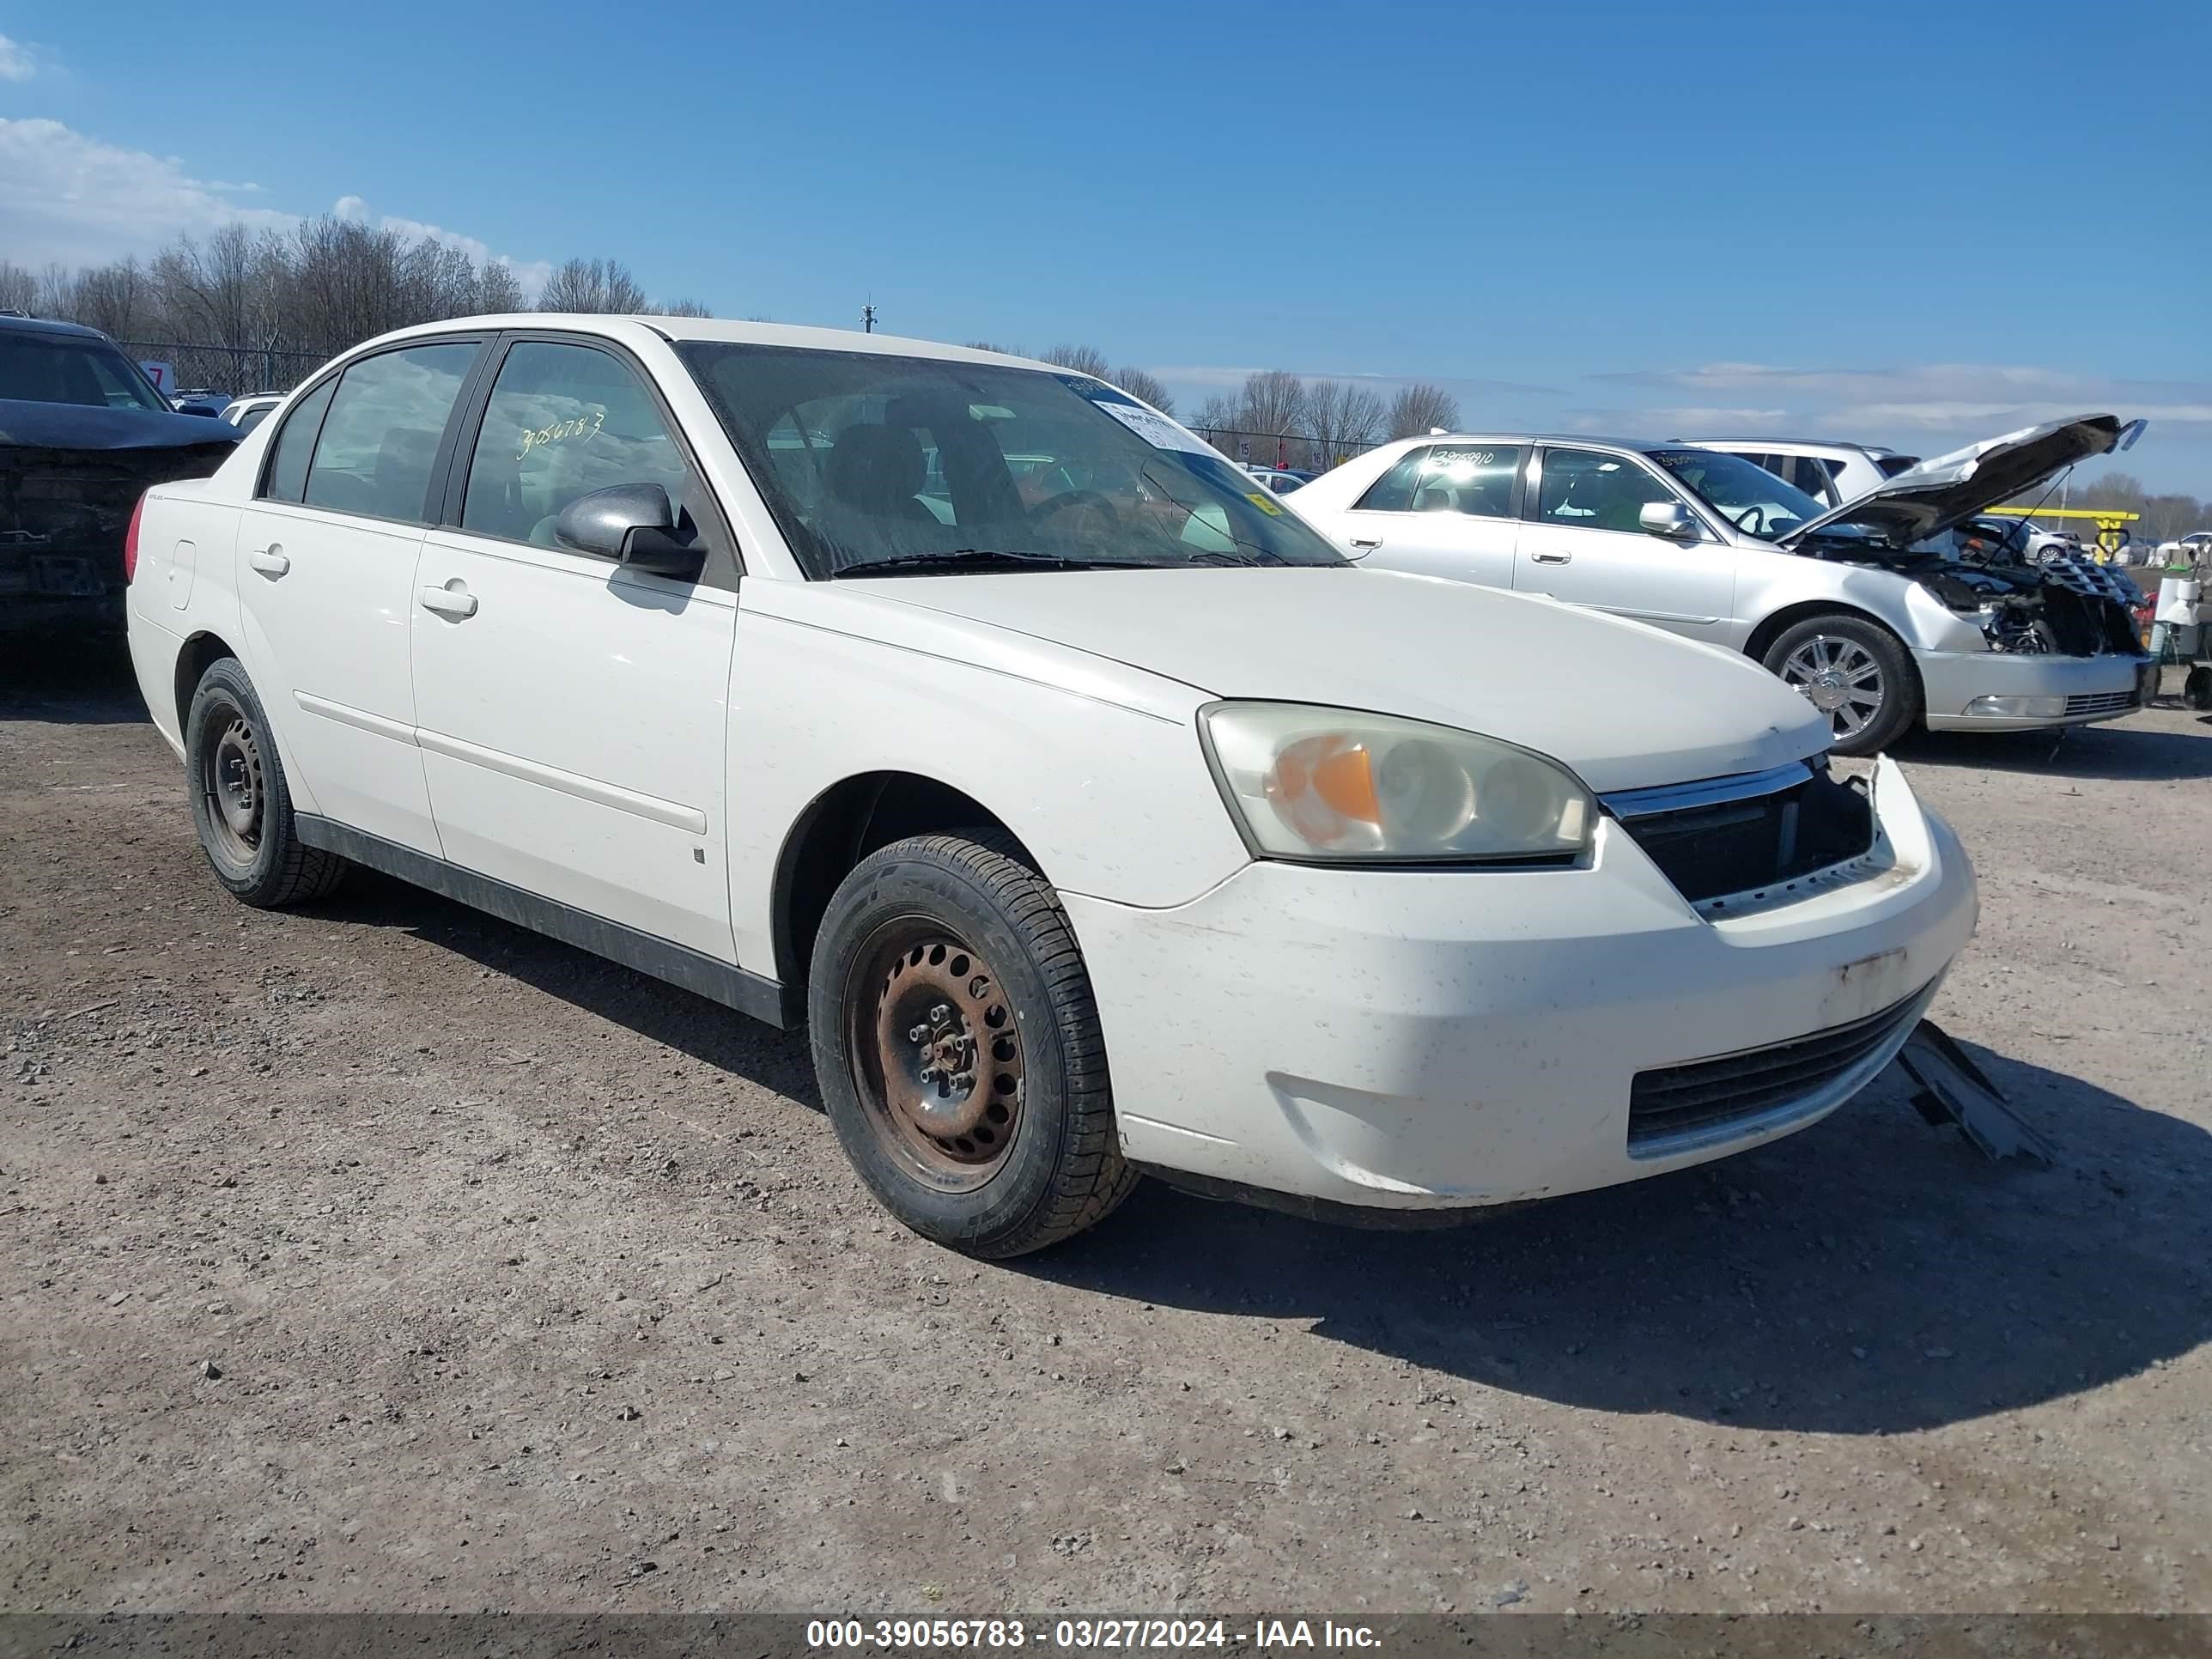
point(1687, 420)
point(1221, 376)
point(74, 200)
point(68, 198)
point(1976, 397)
point(531, 274)
point(16, 61)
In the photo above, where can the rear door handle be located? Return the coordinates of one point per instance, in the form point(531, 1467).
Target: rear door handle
point(270, 560)
point(1553, 558)
point(454, 600)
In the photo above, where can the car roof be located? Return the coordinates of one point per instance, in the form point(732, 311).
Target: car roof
point(1561, 439)
point(1810, 446)
point(679, 329)
point(49, 325)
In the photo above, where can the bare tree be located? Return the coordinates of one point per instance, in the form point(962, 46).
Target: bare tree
point(115, 298)
point(1273, 404)
point(19, 287)
point(681, 308)
point(603, 286)
point(1343, 419)
point(498, 290)
point(1082, 359)
point(1143, 383)
point(57, 292)
point(1217, 414)
point(1419, 408)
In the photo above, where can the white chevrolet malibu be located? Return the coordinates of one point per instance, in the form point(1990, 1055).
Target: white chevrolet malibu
point(1093, 813)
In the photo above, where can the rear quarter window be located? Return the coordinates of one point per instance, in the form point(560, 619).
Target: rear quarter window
point(296, 446)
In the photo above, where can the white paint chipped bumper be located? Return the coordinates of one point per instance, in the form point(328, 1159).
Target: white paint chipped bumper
point(1430, 1039)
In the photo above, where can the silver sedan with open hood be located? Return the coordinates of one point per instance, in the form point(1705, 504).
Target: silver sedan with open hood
point(1868, 609)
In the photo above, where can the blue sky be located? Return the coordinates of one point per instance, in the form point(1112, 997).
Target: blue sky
point(1861, 221)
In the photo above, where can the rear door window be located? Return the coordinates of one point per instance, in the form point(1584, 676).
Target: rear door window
point(1814, 475)
point(296, 446)
point(1476, 480)
point(378, 444)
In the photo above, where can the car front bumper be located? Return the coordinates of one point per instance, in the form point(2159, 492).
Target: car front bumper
point(1409, 1040)
point(1983, 690)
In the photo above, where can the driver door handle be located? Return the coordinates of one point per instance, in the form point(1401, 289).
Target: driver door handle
point(455, 601)
point(270, 560)
point(1368, 542)
point(1553, 558)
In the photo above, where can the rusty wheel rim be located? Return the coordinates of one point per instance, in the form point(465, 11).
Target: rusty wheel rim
point(936, 1053)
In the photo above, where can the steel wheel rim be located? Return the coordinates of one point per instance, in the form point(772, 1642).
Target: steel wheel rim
point(232, 784)
point(1841, 678)
point(936, 1053)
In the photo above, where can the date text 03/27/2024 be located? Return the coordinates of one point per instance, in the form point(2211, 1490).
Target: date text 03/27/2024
point(1085, 1635)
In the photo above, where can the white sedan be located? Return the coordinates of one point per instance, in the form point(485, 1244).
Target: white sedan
point(1096, 817)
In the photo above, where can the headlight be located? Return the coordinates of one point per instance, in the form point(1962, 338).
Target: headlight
point(1308, 782)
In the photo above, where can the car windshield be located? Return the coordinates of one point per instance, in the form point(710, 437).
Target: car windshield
point(1747, 495)
point(874, 463)
point(71, 369)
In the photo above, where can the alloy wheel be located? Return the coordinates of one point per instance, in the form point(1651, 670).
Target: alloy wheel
point(1841, 678)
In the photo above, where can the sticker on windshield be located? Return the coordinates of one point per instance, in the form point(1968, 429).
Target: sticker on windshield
point(1259, 499)
point(1156, 430)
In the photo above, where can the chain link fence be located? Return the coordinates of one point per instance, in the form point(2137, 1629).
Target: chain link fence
point(1304, 451)
point(233, 371)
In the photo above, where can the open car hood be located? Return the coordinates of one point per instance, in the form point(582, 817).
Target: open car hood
point(1931, 498)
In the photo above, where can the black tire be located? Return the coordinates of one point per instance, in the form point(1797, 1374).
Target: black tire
point(1858, 655)
point(241, 807)
point(951, 951)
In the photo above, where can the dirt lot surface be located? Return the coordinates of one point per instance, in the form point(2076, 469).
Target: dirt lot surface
point(383, 1257)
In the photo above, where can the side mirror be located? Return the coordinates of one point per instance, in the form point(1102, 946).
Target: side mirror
point(631, 523)
point(1669, 518)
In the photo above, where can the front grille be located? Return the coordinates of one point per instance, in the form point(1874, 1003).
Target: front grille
point(2100, 702)
point(1675, 1103)
point(1720, 847)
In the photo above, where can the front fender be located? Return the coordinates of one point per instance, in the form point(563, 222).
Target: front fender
point(1115, 802)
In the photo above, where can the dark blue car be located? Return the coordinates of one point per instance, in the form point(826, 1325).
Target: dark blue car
point(83, 435)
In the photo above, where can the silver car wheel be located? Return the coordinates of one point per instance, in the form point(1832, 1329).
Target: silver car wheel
point(1841, 678)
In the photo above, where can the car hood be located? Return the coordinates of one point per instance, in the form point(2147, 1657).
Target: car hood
point(1625, 705)
point(84, 426)
point(1927, 500)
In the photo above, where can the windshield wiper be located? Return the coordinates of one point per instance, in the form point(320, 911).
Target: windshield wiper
point(975, 558)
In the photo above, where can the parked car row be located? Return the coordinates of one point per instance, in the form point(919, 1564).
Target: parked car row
point(1094, 812)
point(1855, 604)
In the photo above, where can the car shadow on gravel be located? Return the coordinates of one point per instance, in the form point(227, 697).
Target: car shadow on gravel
point(2121, 752)
point(1870, 1276)
point(652, 1007)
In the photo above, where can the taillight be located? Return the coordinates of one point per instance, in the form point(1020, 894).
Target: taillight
point(131, 542)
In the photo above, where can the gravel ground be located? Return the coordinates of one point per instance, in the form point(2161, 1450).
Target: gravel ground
point(382, 1256)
